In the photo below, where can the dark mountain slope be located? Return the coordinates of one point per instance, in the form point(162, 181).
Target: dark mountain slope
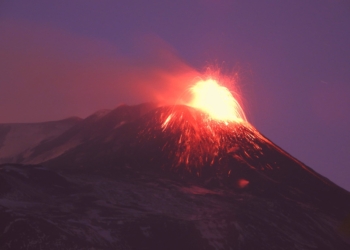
point(143, 144)
point(17, 138)
point(101, 122)
point(164, 178)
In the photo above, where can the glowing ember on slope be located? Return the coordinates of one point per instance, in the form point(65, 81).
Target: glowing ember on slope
point(242, 183)
point(217, 101)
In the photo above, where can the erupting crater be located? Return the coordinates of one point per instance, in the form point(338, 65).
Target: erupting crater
point(208, 129)
point(217, 101)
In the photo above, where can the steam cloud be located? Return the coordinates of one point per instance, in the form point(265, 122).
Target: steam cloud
point(49, 74)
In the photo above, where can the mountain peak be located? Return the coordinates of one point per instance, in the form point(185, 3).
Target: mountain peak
point(146, 175)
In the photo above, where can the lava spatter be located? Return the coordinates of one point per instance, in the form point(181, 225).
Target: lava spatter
point(197, 140)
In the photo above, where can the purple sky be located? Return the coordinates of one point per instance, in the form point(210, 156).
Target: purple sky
point(64, 58)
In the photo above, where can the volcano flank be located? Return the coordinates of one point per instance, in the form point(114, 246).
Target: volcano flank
point(170, 177)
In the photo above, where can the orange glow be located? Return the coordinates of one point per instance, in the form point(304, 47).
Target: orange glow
point(208, 128)
point(217, 101)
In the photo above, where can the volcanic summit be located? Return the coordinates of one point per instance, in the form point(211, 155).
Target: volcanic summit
point(161, 177)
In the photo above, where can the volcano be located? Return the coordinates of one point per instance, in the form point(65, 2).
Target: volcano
point(150, 177)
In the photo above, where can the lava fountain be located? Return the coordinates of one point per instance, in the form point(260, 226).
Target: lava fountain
point(210, 127)
point(217, 101)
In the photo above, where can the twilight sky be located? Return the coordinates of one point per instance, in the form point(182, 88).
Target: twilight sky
point(291, 60)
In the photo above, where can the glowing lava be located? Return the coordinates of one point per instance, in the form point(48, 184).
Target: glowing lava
point(210, 128)
point(217, 101)
point(194, 140)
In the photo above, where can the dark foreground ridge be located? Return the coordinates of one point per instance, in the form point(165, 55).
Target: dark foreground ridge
point(114, 181)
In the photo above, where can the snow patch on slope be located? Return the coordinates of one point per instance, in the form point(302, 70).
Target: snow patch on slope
point(20, 137)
